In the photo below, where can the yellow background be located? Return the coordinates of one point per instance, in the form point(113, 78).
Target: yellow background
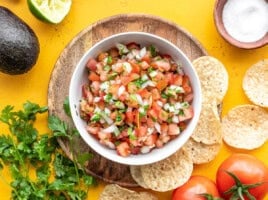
point(196, 16)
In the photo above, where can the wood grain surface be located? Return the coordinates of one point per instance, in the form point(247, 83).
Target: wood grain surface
point(100, 167)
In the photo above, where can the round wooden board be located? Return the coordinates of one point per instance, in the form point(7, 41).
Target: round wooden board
point(100, 167)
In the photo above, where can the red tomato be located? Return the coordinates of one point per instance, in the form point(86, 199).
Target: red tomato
point(195, 186)
point(249, 170)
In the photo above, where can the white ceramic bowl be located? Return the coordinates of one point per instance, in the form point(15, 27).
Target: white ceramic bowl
point(79, 78)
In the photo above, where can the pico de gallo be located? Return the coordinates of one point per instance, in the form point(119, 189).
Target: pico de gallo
point(136, 98)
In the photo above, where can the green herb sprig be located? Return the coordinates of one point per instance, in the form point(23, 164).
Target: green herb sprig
point(24, 150)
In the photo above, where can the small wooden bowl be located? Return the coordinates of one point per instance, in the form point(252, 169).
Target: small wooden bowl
point(218, 8)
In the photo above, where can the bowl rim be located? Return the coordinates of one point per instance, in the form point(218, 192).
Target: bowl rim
point(217, 13)
point(160, 154)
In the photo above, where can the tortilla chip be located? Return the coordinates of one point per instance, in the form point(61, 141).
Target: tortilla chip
point(208, 129)
point(135, 172)
point(115, 192)
point(213, 77)
point(255, 83)
point(201, 153)
point(245, 127)
point(169, 173)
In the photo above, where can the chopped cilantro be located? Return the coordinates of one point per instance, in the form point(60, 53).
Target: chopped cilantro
point(106, 68)
point(109, 60)
point(131, 134)
point(152, 50)
point(108, 97)
point(24, 149)
point(139, 82)
point(96, 117)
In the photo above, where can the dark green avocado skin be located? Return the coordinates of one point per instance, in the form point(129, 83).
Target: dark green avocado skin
point(19, 46)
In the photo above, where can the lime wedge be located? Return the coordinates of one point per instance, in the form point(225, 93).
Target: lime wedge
point(52, 11)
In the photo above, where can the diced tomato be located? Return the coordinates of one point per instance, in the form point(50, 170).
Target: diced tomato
point(141, 131)
point(164, 128)
point(186, 85)
point(177, 79)
point(101, 56)
point(173, 129)
point(93, 129)
point(126, 79)
point(162, 65)
point(135, 150)
point(152, 113)
point(144, 65)
point(123, 149)
point(147, 57)
point(144, 93)
point(162, 84)
point(92, 64)
point(188, 113)
point(113, 89)
point(93, 76)
point(123, 97)
point(156, 107)
point(150, 122)
point(133, 45)
point(87, 94)
point(135, 66)
point(155, 94)
point(182, 125)
point(132, 87)
point(189, 97)
point(129, 117)
point(151, 139)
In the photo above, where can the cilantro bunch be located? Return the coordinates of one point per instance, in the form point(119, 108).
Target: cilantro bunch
point(24, 151)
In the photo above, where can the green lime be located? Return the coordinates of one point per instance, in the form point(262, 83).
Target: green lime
point(52, 11)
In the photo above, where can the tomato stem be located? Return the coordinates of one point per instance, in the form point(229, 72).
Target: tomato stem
point(239, 190)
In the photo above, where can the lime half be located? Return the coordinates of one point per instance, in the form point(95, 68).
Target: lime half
point(52, 11)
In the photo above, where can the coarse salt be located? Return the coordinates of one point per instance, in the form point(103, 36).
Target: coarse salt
point(246, 20)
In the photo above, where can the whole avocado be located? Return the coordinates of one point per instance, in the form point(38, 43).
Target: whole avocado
point(19, 46)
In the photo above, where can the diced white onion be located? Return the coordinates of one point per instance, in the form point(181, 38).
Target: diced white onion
point(97, 110)
point(105, 86)
point(178, 106)
point(107, 111)
point(145, 149)
point(142, 52)
point(127, 66)
point(144, 77)
point(109, 129)
point(148, 83)
point(153, 73)
point(139, 99)
point(150, 131)
point(106, 118)
point(166, 106)
point(160, 103)
point(96, 99)
point(130, 55)
point(121, 90)
point(109, 144)
point(122, 48)
point(175, 119)
point(157, 127)
point(151, 83)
